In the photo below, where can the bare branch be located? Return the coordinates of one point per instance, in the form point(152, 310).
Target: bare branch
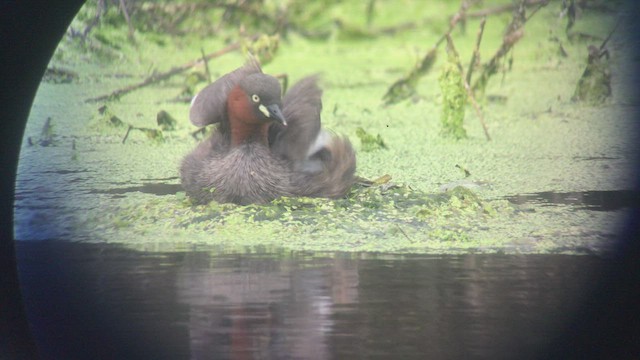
point(165, 75)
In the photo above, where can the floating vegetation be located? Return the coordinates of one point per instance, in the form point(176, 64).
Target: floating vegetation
point(594, 86)
point(370, 142)
point(165, 121)
point(403, 217)
point(107, 117)
point(454, 100)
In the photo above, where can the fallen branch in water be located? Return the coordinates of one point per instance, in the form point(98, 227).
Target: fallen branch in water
point(165, 75)
point(152, 134)
point(404, 87)
point(515, 31)
point(476, 51)
point(460, 16)
point(503, 8)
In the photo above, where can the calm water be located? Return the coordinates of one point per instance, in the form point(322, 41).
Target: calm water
point(86, 300)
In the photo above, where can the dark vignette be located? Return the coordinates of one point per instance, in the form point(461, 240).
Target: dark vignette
point(608, 324)
point(29, 33)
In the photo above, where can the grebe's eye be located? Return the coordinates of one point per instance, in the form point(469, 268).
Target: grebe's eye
point(255, 98)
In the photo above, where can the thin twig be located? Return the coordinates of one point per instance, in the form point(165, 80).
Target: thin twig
point(127, 134)
point(476, 107)
point(370, 12)
point(404, 233)
point(123, 7)
point(206, 65)
point(541, 4)
point(165, 75)
point(604, 43)
point(476, 52)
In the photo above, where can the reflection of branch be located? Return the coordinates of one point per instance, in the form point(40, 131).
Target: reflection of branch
point(165, 75)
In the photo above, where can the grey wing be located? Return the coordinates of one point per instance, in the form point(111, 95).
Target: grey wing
point(301, 107)
point(209, 105)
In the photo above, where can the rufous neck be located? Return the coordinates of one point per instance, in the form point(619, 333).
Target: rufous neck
point(244, 125)
point(242, 132)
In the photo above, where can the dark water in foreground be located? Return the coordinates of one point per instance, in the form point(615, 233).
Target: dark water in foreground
point(103, 301)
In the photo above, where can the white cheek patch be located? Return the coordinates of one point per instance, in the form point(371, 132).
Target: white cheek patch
point(263, 109)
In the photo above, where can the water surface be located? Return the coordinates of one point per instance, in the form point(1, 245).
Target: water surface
point(88, 299)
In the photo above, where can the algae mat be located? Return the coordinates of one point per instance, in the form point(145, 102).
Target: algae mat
point(107, 171)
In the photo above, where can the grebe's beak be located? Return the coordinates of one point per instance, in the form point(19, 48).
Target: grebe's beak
point(276, 114)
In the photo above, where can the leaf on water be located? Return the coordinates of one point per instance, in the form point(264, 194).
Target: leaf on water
point(152, 134)
point(466, 172)
point(382, 179)
point(115, 121)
